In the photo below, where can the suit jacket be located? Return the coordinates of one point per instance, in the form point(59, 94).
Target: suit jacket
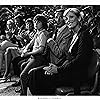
point(80, 56)
point(59, 47)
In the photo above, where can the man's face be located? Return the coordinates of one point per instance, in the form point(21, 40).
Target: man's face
point(59, 19)
point(29, 25)
point(71, 20)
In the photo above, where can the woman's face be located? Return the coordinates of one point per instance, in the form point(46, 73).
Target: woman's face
point(38, 25)
point(71, 20)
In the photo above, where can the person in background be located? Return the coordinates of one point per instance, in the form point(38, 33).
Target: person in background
point(19, 22)
point(13, 54)
point(2, 38)
point(27, 34)
point(8, 43)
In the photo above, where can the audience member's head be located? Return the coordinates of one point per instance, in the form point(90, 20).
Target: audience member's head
point(29, 24)
point(72, 17)
point(59, 17)
point(40, 22)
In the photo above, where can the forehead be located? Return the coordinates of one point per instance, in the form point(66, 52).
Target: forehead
point(58, 14)
point(70, 13)
point(28, 22)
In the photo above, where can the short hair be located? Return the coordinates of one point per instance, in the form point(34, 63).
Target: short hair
point(60, 10)
point(20, 18)
point(73, 10)
point(43, 19)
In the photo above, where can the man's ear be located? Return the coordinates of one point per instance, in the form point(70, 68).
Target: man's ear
point(79, 19)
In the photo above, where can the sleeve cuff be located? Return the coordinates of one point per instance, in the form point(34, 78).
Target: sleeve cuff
point(50, 39)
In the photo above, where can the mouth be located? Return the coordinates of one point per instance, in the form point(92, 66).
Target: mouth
point(69, 24)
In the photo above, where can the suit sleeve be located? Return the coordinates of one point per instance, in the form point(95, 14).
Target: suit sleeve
point(84, 50)
point(58, 50)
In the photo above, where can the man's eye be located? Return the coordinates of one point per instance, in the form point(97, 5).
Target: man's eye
point(71, 16)
point(65, 18)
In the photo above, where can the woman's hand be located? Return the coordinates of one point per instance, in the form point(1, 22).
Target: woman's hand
point(51, 69)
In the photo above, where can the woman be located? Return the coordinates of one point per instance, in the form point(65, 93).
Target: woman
point(13, 53)
point(38, 44)
point(28, 33)
point(75, 68)
point(8, 42)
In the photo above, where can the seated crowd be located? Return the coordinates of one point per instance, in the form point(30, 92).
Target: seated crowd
point(45, 61)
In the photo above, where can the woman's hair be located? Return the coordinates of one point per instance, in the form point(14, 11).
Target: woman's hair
point(73, 10)
point(43, 19)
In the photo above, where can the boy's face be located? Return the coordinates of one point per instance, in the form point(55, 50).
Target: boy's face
point(38, 25)
point(29, 25)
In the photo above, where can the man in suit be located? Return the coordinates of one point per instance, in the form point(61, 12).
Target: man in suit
point(59, 43)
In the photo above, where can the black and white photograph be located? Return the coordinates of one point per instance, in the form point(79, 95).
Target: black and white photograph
point(49, 50)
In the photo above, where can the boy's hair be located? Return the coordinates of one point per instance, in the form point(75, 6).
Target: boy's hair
point(43, 19)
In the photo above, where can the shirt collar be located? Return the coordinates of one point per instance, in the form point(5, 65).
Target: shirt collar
point(76, 32)
point(39, 32)
point(60, 29)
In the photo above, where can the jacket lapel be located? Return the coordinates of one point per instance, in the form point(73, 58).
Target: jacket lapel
point(62, 33)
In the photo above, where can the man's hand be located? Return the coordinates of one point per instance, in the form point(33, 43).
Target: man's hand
point(51, 69)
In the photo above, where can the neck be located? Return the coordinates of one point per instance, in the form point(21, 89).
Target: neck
point(59, 26)
point(40, 29)
point(76, 29)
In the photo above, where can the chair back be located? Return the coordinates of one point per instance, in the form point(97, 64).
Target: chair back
point(93, 67)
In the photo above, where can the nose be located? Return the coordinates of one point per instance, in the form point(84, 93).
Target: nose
point(67, 21)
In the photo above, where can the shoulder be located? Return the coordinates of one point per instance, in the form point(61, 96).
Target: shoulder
point(44, 33)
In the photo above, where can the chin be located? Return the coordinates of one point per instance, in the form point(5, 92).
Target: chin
point(71, 26)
